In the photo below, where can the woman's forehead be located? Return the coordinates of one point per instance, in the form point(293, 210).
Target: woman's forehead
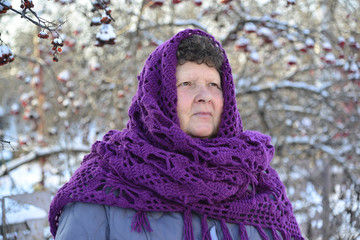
point(192, 71)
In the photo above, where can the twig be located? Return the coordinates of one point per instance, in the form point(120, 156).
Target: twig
point(42, 22)
point(2, 141)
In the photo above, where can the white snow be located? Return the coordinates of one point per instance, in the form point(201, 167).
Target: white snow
point(330, 58)
point(353, 67)
point(326, 45)
point(64, 75)
point(351, 40)
point(292, 59)
point(106, 32)
point(264, 31)
point(291, 37)
point(196, 23)
point(250, 27)
point(6, 155)
point(309, 42)
point(18, 213)
point(306, 31)
point(255, 56)
point(242, 41)
point(7, 3)
point(2, 111)
point(341, 39)
point(5, 50)
point(57, 41)
point(95, 20)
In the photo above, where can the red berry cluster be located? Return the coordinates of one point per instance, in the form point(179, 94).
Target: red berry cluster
point(43, 35)
point(57, 44)
point(291, 2)
point(198, 2)
point(106, 35)
point(225, 1)
point(242, 44)
point(101, 43)
point(100, 4)
point(105, 18)
point(7, 6)
point(6, 55)
point(26, 4)
point(157, 3)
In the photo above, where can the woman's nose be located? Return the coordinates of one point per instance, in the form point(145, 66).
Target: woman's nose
point(203, 94)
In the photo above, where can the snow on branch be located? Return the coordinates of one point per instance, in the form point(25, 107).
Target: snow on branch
point(37, 153)
point(286, 84)
point(176, 22)
point(248, 23)
point(317, 142)
point(193, 22)
point(43, 23)
point(292, 108)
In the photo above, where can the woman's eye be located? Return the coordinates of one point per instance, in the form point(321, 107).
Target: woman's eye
point(215, 85)
point(185, 84)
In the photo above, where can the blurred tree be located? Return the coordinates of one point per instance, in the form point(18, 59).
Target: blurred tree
point(295, 64)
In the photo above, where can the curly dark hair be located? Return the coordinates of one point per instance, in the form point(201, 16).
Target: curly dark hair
point(200, 49)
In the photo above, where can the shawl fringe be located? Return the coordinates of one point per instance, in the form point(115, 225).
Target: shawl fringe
point(225, 230)
point(262, 233)
point(140, 221)
point(204, 228)
point(275, 234)
point(188, 229)
point(243, 233)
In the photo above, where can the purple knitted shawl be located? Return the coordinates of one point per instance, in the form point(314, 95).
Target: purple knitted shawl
point(152, 165)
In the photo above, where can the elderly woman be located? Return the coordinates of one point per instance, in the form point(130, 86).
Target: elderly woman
point(183, 168)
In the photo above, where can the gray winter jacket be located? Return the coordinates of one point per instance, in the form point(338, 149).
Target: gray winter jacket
point(93, 221)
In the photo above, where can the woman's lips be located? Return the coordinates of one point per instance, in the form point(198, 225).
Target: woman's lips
point(203, 114)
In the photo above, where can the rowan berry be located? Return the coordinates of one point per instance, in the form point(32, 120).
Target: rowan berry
point(43, 35)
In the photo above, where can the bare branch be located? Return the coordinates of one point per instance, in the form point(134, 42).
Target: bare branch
point(285, 84)
point(2, 141)
point(36, 154)
point(41, 22)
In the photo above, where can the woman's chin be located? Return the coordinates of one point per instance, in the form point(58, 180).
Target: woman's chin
point(202, 132)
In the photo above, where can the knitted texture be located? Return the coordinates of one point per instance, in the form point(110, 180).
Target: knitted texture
point(152, 165)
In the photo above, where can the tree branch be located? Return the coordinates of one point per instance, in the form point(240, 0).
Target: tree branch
point(41, 22)
point(37, 153)
point(285, 84)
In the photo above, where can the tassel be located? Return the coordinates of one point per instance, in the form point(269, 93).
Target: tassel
point(283, 234)
point(140, 220)
point(275, 234)
point(204, 228)
point(188, 229)
point(262, 233)
point(225, 230)
point(253, 192)
point(243, 232)
point(287, 236)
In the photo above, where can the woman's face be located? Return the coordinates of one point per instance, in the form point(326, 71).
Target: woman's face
point(199, 99)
